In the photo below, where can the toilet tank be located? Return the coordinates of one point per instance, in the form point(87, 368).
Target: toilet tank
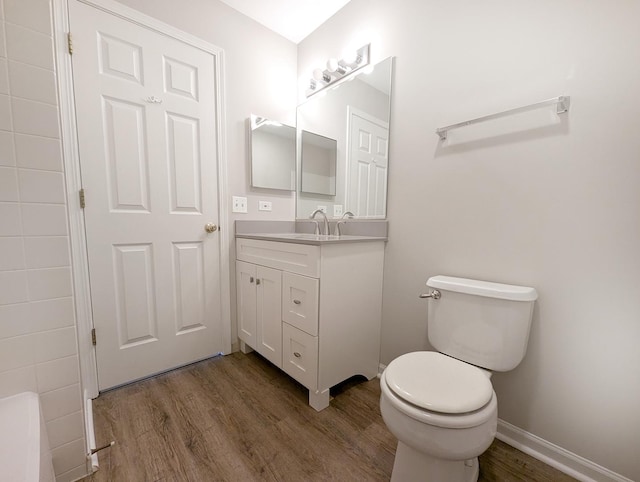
point(483, 323)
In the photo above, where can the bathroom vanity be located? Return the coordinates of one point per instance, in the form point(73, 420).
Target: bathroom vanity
point(311, 305)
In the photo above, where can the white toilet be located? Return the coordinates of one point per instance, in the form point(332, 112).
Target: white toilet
point(440, 405)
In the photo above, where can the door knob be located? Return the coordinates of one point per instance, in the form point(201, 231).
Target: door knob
point(210, 227)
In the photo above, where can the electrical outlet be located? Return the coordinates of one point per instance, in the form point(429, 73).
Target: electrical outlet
point(323, 209)
point(337, 210)
point(264, 205)
point(239, 204)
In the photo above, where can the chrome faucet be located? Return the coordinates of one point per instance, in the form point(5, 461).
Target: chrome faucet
point(342, 221)
point(325, 221)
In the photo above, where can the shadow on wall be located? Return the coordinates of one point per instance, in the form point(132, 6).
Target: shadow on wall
point(521, 381)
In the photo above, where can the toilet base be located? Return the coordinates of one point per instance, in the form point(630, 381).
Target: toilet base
point(411, 465)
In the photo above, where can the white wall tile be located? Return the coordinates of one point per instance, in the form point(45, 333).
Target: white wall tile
point(45, 284)
point(35, 118)
point(15, 320)
point(38, 152)
point(4, 76)
point(44, 219)
point(11, 253)
point(46, 252)
point(30, 47)
point(65, 429)
point(16, 352)
point(57, 373)
point(11, 224)
point(51, 345)
point(3, 50)
point(9, 184)
point(7, 152)
point(41, 186)
point(18, 381)
point(13, 287)
point(5, 113)
point(33, 14)
point(33, 83)
point(51, 314)
point(58, 403)
point(68, 456)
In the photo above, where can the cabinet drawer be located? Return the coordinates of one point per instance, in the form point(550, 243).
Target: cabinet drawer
point(300, 302)
point(300, 355)
point(297, 258)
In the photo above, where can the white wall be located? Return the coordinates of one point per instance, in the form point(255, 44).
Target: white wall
point(38, 349)
point(537, 200)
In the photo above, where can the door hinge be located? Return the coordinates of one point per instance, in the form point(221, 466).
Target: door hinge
point(82, 200)
point(70, 43)
point(93, 336)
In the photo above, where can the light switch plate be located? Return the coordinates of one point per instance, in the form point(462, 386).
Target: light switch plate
point(264, 205)
point(239, 204)
point(337, 210)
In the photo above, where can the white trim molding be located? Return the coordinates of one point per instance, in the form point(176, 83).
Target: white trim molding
point(73, 179)
point(571, 464)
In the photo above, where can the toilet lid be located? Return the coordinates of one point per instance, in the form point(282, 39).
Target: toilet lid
point(438, 382)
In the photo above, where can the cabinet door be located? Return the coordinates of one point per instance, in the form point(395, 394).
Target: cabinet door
point(246, 296)
point(269, 314)
point(300, 356)
point(300, 302)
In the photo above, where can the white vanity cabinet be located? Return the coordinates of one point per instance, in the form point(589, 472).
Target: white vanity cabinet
point(259, 309)
point(312, 310)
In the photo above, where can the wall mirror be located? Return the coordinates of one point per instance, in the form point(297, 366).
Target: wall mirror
point(355, 115)
point(273, 154)
point(318, 158)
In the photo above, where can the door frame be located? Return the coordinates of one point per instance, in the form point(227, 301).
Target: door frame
point(354, 111)
point(73, 181)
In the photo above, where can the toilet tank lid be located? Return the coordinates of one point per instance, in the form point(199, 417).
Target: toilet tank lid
point(483, 288)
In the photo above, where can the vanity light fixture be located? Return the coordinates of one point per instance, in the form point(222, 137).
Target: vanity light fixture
point(338, 69)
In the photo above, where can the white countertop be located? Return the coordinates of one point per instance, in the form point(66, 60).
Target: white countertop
point(307, 238)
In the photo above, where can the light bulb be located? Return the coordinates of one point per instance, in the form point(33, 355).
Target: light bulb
point(350, 57)
point(335, 67)
point(321, 76)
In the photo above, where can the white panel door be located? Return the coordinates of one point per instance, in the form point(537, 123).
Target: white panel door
point(146, 113)
point(368, 164)
point(269, 314)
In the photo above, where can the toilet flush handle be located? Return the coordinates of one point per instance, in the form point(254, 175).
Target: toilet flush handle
point(435, 294)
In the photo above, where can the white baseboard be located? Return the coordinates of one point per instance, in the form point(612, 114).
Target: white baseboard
point(557, 457)
point(567, 462)
point(92, 464)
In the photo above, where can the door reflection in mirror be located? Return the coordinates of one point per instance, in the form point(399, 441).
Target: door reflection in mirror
point(355, 113)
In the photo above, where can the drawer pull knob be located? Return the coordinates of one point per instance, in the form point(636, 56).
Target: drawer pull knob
point(251, 279)
point(297, 302)
point(258, 281)
point(296, 354)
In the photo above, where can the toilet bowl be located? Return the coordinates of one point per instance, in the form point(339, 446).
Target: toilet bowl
point(442, 411)
point(440, 405)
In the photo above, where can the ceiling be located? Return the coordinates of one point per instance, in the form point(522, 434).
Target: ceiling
point(293, 19)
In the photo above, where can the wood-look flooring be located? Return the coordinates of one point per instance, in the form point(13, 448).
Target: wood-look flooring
point(238, 418)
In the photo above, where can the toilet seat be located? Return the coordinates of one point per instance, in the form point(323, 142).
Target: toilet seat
point(438, 383)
